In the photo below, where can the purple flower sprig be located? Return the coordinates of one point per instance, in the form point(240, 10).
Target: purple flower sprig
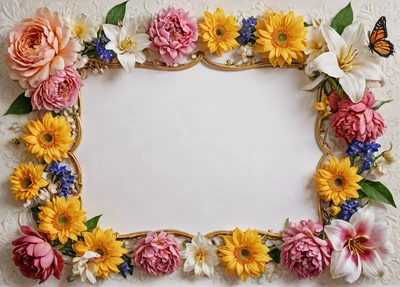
point(247, 32)
point(63, 177)
point(361, 154)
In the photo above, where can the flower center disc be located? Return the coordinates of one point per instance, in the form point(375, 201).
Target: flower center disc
point(280, 39)
point(46, 139)
point(26, 183)
point(62, 220)
point(243, 254)
point(200, 256)
point(220, 32)
point(79, 30)
point(127, 44)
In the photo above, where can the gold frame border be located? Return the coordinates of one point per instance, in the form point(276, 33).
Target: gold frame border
point(198, 57)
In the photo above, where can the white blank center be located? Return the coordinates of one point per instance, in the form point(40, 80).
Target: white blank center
point(198, 150)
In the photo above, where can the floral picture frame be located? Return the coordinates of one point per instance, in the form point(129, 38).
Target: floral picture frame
point(246, 253)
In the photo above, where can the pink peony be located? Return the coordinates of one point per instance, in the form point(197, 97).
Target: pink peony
point(356, 120)
point(173, 34)
point(35, 257)
point(58, 92)
point(157, 254)
point(40, 46)
point(303, 252)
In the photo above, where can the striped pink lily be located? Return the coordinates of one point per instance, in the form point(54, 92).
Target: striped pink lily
point(360, 246)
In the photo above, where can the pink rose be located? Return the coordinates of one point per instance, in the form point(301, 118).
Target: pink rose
point(40, 46)
point(173, 34)
point(157, 254)
point(35, 257)
point(303, 252)
point(356, 120)
point(58, 92)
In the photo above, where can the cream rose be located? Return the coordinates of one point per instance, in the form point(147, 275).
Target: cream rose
point(40, 46)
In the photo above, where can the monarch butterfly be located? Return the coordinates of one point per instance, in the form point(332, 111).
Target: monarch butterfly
point(377, 39)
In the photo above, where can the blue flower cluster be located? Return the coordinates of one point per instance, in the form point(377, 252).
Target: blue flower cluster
point(361, 154)
point(64, 176)
point(102, 52)
point(125, 269)
point(247, 31)
point(348, 208)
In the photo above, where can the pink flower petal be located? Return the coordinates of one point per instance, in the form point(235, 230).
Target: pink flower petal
point(338, 232)
point(42, 249)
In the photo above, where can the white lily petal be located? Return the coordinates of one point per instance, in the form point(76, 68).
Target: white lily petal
point(129, 28)
point(140, 57)
point(127, 61)
point(336, 43)
point(353, 276)
point(198, 268)
point(338, 232)
point(326, 63)
point(189, 264)
point(208, 270)
point(353, 85)
point(113, 46)
point(369, 67)
point(343, 263)
point(200, 241)
point(315, 83)
point(355, 34)
point(112, 32)
point(142, 41)
point(372, 264)
point(363, 220)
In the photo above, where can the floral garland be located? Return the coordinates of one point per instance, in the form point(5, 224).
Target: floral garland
point(48, 55)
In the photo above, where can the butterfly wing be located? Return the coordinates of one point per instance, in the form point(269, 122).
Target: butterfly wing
point(383, 48)
point(377, 39)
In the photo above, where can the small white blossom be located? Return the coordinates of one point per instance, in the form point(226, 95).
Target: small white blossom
point(83, 28)
point(81, 61)
point(201, 256)
point(85, 266)
point(246, 53)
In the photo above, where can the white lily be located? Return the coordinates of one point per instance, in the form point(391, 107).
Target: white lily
point(126, 43)
point(201, 256)
point(349, 60)
point(360, 246)
point(85, 266)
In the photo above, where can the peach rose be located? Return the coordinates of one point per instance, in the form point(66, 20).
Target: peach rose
point(40, 46)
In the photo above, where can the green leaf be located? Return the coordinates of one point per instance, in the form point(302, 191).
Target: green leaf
point(117, 13)
point(92, 223)
point(35, 213)
point(343, 19)
point(275, 255)
point(376, 190)
point(21, 106)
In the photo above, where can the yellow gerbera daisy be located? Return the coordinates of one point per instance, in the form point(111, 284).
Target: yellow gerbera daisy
point(282, 37)
point(62, 218)
point(49, 138)
point(337, 181)
point(105, 244)
point(244, 254)
point(218, 33)
point(27, 180)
